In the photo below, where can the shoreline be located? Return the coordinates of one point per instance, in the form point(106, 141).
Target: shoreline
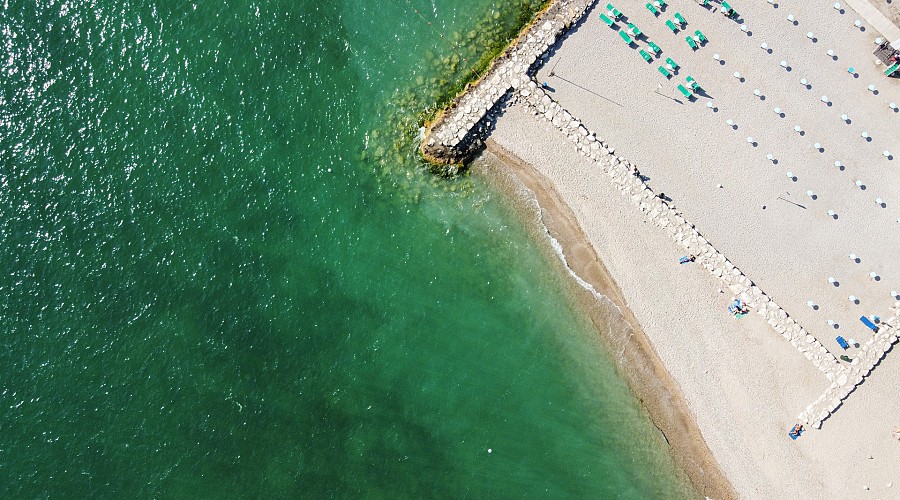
point(637, 360)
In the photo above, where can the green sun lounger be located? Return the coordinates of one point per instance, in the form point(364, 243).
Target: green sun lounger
point(609, 22)
point(690, 41)
point(661, 3)
point(647, 57)
point(671, 62)
point(634, 29)
point(680, 19)
point(625, 37)
point(655, 48)
point(617, 13)
point(665, 72)
point(609, 6)
point(701, 36)
point(671, 26)
point(653, 10)
point(890, 71)
point(684, 91)
point(694, 85)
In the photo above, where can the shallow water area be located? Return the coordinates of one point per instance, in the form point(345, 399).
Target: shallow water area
point(208, 291)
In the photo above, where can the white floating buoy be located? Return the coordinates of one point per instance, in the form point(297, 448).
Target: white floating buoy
point(783, 64)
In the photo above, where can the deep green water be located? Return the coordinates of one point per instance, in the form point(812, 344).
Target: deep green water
point(206, 291)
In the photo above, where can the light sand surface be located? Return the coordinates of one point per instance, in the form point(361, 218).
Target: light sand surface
point(791, 247)
point(742, 382)
point(890, 8)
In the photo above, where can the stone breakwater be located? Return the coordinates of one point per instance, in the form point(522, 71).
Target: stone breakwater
point(843, 378)
point(455, 135)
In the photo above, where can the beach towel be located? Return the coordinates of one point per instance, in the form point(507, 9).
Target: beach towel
point(795, 435)
point(684, 260)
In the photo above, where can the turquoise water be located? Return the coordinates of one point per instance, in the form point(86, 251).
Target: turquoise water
point(207, 292)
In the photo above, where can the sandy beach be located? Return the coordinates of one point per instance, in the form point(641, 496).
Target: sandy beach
point(788, 224)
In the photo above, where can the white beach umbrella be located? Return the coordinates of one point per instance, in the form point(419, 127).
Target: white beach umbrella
point(789, 174)
point(845, 117)
point(811, 303)
point(886, 153)
point(858, 183)
point(749, 140)
point(894, 294)
point(893, 105)
point(777, 111)
point(831, 279)
point(770, 157)
point(830, 53)
point(809, 34)
point(852, 298)
point(857, 23)
point(872, 87)
point(764, 46)
point(730, 122)
point(797, 128)
point(830, 322)
point(804, 82)
point(791, 18)
point(837, 6)
point(716, 57)
point(824, 99)
point(878, 41)
point(873, 275)
point(709, 104)
point(853, 257)
point(838, 164)
point(864, 135)
point(817, 146)
point(832, 214)
point(744, 28)
point(879, 201)
point(810, 193)
point(757, 92)
point(783, 64)
point(737, 75)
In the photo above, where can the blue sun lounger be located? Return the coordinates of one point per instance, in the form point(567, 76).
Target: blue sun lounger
point(866, 321)
point(841, 342)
